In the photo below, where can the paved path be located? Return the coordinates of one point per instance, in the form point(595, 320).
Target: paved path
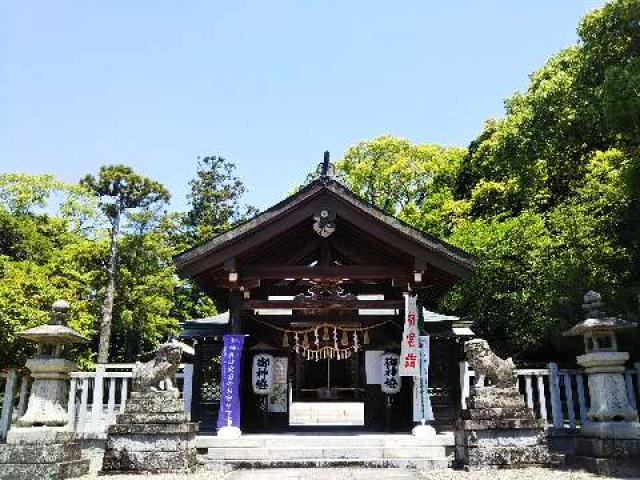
point(401, 474)
point(325, 474)
point(365, 474)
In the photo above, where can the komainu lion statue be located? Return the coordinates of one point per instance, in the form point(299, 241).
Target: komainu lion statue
point(160, 373)
point(487, 364)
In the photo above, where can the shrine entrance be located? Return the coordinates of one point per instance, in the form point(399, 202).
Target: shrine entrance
point(330, 380)
point(317, 282)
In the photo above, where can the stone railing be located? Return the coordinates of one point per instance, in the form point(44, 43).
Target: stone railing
point(558, 396)
point(95, 398)
point(13, 390)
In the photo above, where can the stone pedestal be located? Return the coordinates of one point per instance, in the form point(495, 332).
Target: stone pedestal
point(498, 430)
point(42, 453)
point(154, 434)
point(610, 443)
point(606, 456)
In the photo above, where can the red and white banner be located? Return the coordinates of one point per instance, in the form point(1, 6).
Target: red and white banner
point(409, 351)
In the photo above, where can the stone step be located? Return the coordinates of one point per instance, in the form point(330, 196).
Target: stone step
point(327, 473)
point(327, 413)
point(310, 441)
point(419, 464)
point(326, 452)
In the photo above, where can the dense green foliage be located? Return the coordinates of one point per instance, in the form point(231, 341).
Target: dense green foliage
point(547, 198)
point(55, 243)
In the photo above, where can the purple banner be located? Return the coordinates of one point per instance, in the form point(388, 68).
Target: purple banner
point(229, 413)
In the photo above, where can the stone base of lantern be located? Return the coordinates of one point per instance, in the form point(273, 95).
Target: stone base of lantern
point(498, 430)
point(154, 434)
point(41, 452)
point(606, 456)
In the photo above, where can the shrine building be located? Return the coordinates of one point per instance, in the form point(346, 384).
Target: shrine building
point(318, 283)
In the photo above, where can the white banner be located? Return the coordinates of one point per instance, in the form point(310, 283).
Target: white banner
point(409, 354)
point(421, 401)
point(372, 359)
point(278, 397)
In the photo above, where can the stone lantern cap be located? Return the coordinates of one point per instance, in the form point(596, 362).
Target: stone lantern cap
point(596, 320)
point(599, 325)
point(55, 332)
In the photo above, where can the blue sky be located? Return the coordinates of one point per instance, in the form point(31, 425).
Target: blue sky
point(270, 85)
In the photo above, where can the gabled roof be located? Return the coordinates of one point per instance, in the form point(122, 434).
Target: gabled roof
point(294, 208)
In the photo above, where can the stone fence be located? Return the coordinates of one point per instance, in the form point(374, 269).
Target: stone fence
point(13, 398)
point(560, 397)
point(95, 398)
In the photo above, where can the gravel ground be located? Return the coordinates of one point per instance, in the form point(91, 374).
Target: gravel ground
point(368, 474)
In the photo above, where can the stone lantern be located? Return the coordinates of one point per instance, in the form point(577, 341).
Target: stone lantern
point(50, 372)
point(42, 445)
point(613, 432)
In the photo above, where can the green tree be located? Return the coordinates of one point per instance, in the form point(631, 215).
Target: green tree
point(413, 182)
point(120, 190)
point(214, 200)
point(43, 257)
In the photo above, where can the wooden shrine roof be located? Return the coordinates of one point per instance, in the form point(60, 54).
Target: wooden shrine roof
point(280, 243)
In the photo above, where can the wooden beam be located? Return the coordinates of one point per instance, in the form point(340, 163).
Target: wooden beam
point(306, 304)
point(382, 288)
point(307, 250)
point(352, 272)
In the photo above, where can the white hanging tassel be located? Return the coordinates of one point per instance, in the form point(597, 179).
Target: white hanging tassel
point(317, 334)
point(356, 345)
point(344, 341)
point(335, 338)
point(297, 344)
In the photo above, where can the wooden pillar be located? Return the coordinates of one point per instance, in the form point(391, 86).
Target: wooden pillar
point(235, 311)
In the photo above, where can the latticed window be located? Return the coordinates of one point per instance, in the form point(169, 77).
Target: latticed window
point(210, 384)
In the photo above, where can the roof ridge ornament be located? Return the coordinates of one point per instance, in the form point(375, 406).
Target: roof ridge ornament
point(326, 169)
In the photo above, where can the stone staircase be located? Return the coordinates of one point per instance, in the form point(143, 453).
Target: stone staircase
point(300, 451)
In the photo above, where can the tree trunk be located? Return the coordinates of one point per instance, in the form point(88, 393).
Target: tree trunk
point(107, 306)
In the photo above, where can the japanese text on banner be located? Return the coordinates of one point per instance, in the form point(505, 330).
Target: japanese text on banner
point(229, 413)
point(409, 352)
